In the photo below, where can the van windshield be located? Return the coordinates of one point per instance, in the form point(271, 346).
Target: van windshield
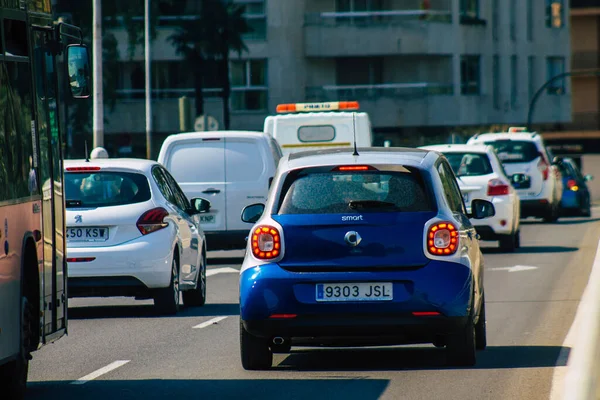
point(343, 192)
point(515, 151)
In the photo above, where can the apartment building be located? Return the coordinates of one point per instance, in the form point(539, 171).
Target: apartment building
point(421, 69)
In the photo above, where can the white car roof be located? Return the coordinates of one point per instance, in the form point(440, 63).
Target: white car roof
point(531, 136)
point(459, 148)
point(133, 164)
point(214, 134)
point(324, 114)
point(368, 155)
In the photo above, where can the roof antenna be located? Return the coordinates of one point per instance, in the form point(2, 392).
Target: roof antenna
point(354, 131)
point(87, 157)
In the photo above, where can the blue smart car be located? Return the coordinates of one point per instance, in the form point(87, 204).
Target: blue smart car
point(361, 250)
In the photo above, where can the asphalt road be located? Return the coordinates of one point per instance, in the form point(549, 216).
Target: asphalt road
point(195, 355)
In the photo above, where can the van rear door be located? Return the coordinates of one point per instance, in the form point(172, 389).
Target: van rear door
point(247, 172)
point(199, 168)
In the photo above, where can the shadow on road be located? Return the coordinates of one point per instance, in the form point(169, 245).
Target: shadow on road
point(531, 250)
point(148, 311)
point(561, 221)
point(225, 261)
point(414, 358)
point(330, 389)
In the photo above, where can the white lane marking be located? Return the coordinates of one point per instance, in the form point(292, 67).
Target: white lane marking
point(209, 322)
point(100, 372)
point(224, 270)
point(561, 368)
point(516, 268)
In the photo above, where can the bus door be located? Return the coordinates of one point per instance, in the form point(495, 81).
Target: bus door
point(50, 167)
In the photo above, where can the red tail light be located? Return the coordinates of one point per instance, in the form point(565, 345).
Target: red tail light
point(497, 187)
point(266, 242)
point(81, 259)
point(571, 183)
point(152, 220)
point(82, 169)
point(544, 167)
point(425, 313)
point(442, 239)
point(355, 168)
point(283, 316)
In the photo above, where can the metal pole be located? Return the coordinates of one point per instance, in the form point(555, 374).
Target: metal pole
point(148, 80)
point(98, 102)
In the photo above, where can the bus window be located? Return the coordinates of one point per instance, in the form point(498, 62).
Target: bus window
point(15, 37)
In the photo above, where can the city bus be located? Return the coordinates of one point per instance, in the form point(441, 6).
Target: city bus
point(33, 298)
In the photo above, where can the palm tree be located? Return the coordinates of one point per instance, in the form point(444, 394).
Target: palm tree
point(231, 27)
point(211, 37)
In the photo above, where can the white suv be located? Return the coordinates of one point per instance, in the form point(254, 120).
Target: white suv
point(527, 162)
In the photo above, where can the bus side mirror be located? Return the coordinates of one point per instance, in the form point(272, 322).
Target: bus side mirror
point(78, 64)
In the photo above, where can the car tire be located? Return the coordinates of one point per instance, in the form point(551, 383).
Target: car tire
point(166, 300)
point(197, 297)
point(508, 243)
point(481, 328)
point(255, 352)
point(552, 215)
point(460, 347)
point(13, 375)
point(518, 240)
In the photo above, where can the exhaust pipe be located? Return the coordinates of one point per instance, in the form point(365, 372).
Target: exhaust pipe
point(278, 340)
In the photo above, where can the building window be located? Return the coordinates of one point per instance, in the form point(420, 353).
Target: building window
point(530, 20)
point(256, 18)
point(470, 74)
point(469, 9)
point(531, 76)
point(249, 85)
point(554, 13)
point(514, 81)
point(556, 66)
point(363, 71)
point(496, 81)
point(358, 5)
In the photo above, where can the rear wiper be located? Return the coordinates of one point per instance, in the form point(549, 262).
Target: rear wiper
point(73, 203)
point(355, 204)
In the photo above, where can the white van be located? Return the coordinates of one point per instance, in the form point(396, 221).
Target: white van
point(231, 169)
point(313, 126)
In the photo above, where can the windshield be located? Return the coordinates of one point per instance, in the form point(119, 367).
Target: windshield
point(515, 151)
point(343, 192)
point(469, 164)
point(104, 189)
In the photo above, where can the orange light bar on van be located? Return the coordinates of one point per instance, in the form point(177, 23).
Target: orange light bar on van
point(82, 169)
point(354, 168)
point(311, 107)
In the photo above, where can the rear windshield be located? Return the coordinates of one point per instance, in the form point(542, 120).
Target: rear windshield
point(469, 164)
point(515, 151)
point(104, 189)
point(347, 192)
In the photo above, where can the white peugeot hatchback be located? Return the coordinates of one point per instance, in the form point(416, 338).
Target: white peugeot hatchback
point(480, 175)
point(132, 232)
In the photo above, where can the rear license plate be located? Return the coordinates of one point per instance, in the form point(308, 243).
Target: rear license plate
point(207, 219)
point(363, 291)
point(95, 234)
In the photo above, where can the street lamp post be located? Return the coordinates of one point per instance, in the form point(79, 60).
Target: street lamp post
point(148, 80)
point(591, 72)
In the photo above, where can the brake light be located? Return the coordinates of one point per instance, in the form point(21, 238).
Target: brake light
point(82, 169)
point(152, 220)
point(354, 168)
point(544, 167)
point(425, 313)
point(572, 185)
point(283, 316)
point(266, 242)
point(81, 259)
point(497, 187)
point(442, 239)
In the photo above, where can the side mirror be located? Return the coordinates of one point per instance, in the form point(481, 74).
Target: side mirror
point(588, 178)
point(481, 209)
point(78, 64)
point(200, 205)
point(252, 213)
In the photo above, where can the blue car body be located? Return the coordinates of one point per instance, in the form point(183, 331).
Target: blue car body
point(430, 295)
point(575, 198)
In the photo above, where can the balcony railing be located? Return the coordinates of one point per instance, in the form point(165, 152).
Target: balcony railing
point(369, 18)
point(585, 60)
point(373, 92)
point(176, 93)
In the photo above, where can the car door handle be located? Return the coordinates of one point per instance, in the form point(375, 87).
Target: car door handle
point(211, 191)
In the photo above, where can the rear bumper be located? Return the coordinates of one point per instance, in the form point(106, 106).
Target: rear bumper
point(443, 287)
point(535, 208)
point(226, 240)
point(571, 200)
